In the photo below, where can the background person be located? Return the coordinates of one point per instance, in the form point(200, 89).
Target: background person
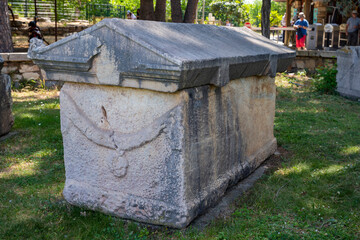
point(352, 29)
point(283, 24)
point(301, 25)
point(34, 31)
point(130, 15)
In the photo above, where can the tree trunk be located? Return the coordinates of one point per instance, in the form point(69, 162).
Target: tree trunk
point(265, 18)
point(160, 10)
point(190, 13)
point(176, 12)
point(6, 44)
point(147, 10)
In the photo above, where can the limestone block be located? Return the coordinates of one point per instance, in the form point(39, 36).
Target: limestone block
point(24, 68)
point(17, 77)
point(18, 57)
point(310, 63)
point(31, 75)
point(163, 158)
point(348, 76)
point(4, 56)
point(43, 74)
point(157, 119)
point(9, 69)
point(300, 64)
point(6, 117)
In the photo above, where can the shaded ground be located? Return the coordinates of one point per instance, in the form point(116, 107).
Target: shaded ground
point(312, 190)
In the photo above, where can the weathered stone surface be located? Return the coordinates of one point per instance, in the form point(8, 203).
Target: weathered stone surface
point(6, 117)
point(18, 57)
point(163, 158)
point(17, 77)
point(348, 76)
point(31, 75)
point(9, 69)
point(25, 68)
point(160, 56)
point(159, 119)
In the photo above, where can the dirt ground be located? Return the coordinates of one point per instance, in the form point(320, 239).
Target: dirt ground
point(21, 42)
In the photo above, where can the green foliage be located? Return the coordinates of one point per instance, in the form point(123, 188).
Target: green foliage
point(325, 79)
point(233, 10)
point(346, 6)
point(29, 84)
point(275, 18)
point(278, 9)
point(131, 5)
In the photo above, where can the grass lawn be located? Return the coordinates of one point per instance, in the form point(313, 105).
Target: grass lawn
point(313, 193)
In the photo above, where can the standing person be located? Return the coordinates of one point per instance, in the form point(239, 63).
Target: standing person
point(283, 24)
point(138, 13)
point(295, 18)
point(228, 24)
point(301, 25)
point(352, 29)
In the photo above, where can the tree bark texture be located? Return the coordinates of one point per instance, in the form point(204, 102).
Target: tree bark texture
point(265, 18)
point(160, 10)
point(176, 12)
point(6, 44)
point(147, 10)
point(190, 13)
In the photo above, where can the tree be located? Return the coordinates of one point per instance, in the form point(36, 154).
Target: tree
point(160, 10)
point(176, 11)
point(191, 9)
point(147, 10)
point(265, 18)
point(6, 44)
point(234, 11)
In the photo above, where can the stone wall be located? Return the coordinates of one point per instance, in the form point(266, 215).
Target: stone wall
point(20, 67)
point(313, 59)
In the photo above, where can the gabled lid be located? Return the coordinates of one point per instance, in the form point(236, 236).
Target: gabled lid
point(160, 56)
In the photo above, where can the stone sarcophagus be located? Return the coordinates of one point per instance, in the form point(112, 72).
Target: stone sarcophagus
point(348, 76)
point(6, 117)
point(159, 119)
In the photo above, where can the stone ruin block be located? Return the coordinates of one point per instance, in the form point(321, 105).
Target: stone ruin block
point(348, 76)
point(159, 119)
point(6, 117)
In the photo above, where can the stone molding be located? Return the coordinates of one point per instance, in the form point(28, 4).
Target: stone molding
point(132, 54)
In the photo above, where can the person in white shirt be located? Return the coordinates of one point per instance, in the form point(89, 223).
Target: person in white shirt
point(130, 15)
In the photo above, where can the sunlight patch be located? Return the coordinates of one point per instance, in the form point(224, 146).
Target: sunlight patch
point(298, 168)
point(20, 169)
point(351, 150)
point(331, 170)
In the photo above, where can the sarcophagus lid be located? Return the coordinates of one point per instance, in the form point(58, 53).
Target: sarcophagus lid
point(161, 56)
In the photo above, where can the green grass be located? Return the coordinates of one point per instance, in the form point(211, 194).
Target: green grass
point(313, 193)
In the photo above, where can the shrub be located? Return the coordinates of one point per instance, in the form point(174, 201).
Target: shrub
point(325, 79)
